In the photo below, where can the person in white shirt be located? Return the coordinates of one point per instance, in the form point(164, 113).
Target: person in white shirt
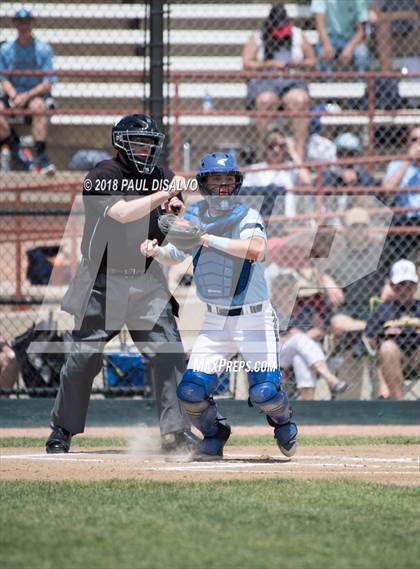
point(229, 266)
point(279, 149)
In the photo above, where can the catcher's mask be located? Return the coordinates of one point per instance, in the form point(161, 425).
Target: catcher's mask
point(219, 163)
point(138, 139)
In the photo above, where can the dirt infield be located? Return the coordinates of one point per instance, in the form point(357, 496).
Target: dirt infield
point(398, 464)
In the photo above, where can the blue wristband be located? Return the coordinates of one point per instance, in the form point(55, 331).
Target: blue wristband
point(220, 243)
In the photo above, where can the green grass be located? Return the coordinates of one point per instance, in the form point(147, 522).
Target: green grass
point(321, 441)
point(246, 525)
point(236, 440)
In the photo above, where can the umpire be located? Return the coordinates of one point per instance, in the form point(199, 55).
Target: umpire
point(116, 285)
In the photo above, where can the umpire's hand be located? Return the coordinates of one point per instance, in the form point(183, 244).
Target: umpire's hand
point(174, 205)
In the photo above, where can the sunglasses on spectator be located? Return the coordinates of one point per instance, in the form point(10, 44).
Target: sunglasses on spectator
point(275, 145)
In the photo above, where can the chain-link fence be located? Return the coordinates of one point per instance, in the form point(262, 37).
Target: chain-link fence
point(326, 130)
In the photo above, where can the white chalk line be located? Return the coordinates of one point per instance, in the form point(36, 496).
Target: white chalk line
point(259, 463)
point(324, 457)
point(68, 458)
point(275, 467)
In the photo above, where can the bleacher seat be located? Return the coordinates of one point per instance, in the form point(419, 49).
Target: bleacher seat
point(204, 37)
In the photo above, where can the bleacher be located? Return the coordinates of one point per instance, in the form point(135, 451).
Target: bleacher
point(208, 38)
point(204, 37)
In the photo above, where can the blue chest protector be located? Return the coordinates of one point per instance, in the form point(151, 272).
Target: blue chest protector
point(217, 274)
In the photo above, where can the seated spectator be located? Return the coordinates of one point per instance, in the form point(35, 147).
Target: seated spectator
point(348, 146)
point(300, 348)
point(27, 92)
point(341, 29)
point(394, 330)
point(279, 46)
point(320, 149)
point(406, 174)
point(9, 370)
point(279, 149)
point(353, 255)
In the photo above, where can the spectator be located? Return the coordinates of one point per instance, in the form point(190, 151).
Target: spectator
point(406, 174)
point(348, 147)
point(300, 346)
point(319, 148)
point(341, 29)
point(279, 46)
point(31, 92)
point(8, 366)
point(394, 329)
point(279, 149)
point(354, 254)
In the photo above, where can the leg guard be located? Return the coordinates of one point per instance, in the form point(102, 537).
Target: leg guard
point(265, 392)
point(195, 393)
point(286, 437)
point(213, 446)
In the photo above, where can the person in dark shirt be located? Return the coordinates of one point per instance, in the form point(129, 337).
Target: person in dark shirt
point(394, 329)
point(116, 285)
point(348, 147)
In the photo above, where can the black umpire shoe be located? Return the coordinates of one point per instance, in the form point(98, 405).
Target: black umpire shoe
point(181, 441)
point(58, 441)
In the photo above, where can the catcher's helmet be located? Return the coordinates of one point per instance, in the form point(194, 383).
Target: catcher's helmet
point(218, 163)
point(139, 140)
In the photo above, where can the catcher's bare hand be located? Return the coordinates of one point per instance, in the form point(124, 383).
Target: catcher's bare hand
point(149, 248)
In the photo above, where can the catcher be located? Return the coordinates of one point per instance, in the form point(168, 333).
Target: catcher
point(227, 241)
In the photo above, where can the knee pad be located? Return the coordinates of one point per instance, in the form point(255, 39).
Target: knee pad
point(265, 392)
point(195, 391)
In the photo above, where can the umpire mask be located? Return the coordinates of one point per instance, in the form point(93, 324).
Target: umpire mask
point(138, 139)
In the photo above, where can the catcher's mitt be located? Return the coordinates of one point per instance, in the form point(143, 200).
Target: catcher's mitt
point(180, 232)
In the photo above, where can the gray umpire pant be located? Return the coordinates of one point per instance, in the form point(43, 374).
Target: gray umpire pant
point(142, 303)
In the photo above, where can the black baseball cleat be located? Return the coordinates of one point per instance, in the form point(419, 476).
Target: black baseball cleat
point(181, 441)
point(59, 441)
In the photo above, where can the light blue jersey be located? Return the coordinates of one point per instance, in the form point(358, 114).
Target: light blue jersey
point(223, 279)
point(37, 55)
